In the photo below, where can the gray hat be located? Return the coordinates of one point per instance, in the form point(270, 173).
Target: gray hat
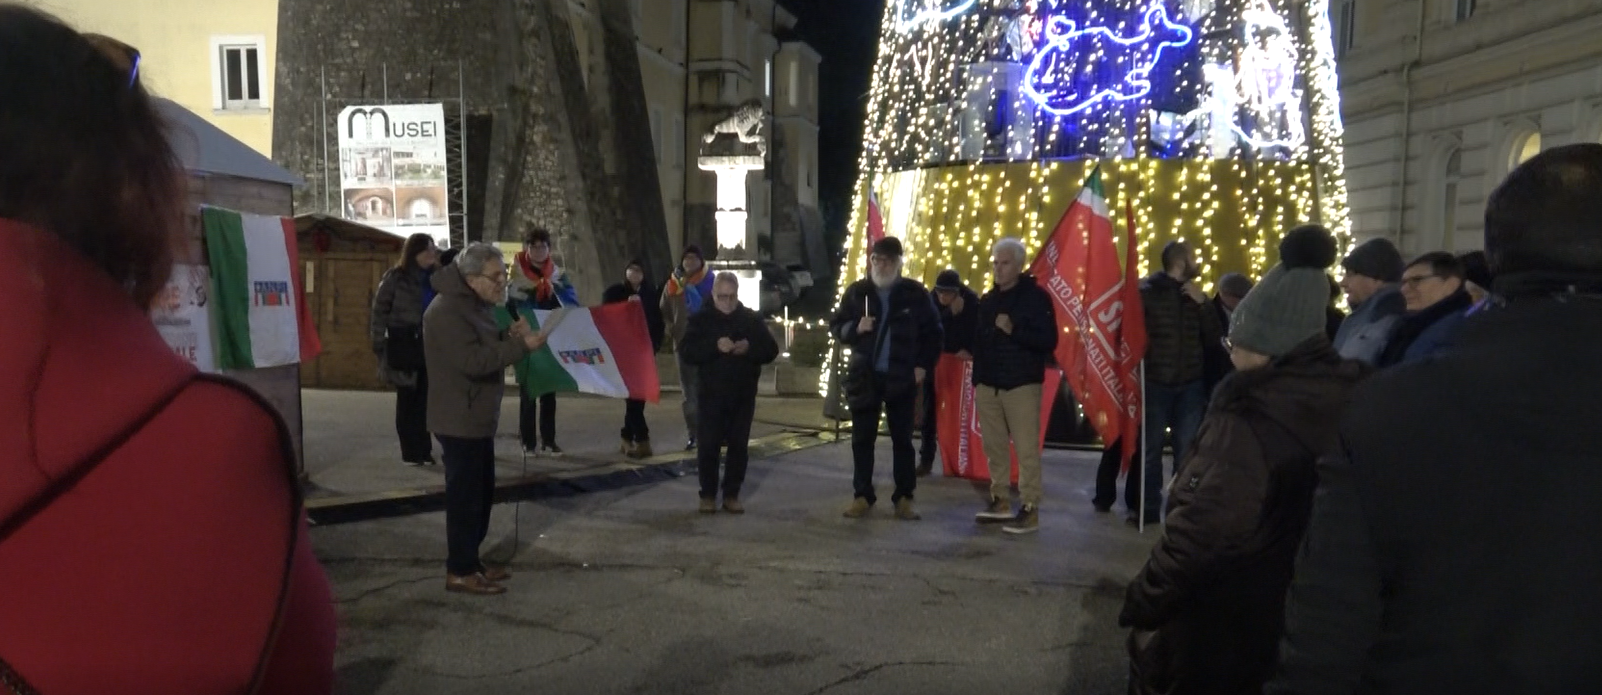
point(948, 279)
point(1376, 258)
point(1287, 307)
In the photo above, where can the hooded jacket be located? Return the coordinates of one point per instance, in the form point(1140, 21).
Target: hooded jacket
point(1006, 361)
point(467, 359)
point(1214, 587)
point(152, 538)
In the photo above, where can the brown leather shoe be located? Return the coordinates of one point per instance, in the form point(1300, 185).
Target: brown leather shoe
point(475, 583)
point(732, 505)
point(709, 505)
point(496, 573)
point(642, 449)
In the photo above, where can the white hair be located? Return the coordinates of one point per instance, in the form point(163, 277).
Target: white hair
point(1013, 245)
point(473, 258)
point(726, 277)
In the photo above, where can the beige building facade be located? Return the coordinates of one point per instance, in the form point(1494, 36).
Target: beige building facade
point(1442, 98)
point(213, 57)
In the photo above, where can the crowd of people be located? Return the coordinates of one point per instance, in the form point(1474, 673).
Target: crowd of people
point(1396, 502)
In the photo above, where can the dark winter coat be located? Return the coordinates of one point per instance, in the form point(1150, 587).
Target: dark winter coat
point(1178, 330)
point(960, 328)
point(1362, 335)
point(1214, 588)
point(1006, 362)
point(725, 374)
point(1453, 542)
point(398, 305)
point(467, 359)
point(1217, 364)
point(650, 299)
point(1427, 332)
point(914, 331)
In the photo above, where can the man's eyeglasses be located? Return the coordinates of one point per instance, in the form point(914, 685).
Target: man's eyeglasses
point(1416, 280)
point(497, 278)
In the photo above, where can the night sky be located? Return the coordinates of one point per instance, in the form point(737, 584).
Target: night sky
point(846, 33)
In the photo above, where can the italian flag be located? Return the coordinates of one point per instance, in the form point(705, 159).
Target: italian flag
point(605, 351)
point(258, 299)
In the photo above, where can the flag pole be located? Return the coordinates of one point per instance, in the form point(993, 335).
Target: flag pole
point(1144, 444)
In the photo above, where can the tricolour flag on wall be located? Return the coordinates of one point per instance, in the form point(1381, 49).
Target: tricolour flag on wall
point(605, 351)
point(258, 299)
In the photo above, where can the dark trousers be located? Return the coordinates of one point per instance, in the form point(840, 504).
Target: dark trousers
point(865, 432)
point(1179, 407)
point(725, 420)
point(1107, 478)
point(469, 493)
point(634, 427)
point(929, 430)
point(543, 408)
point(411, 421)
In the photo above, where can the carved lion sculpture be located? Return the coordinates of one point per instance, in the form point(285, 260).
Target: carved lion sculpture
point(746, 124)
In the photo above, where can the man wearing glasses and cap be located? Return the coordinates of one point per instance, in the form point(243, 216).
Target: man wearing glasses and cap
point(891, 327)
point(959, 314)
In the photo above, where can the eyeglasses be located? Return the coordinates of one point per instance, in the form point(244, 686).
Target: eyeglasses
point(497, 278)
point(725, 297)
point(1417, 280)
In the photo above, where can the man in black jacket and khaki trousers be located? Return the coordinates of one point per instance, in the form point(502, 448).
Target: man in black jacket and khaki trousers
point(894, 333)
point(1016, 335)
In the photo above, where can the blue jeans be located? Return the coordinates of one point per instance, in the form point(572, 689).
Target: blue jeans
point(1179, 407)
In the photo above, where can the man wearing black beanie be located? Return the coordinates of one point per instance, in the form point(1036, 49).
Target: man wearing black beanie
point(1372, 284)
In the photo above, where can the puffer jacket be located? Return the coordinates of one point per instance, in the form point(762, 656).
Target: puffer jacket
point(398, 304)
point(915, 338)
point(1005, 361)
point(1214, 588)
point(1364, 334)
point(1179, 330)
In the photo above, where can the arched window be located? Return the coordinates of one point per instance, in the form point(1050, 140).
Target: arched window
point(1525, 147)
point(1450, 181)
point(422, 209)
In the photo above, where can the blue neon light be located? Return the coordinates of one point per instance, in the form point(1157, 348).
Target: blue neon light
point(1066, 42)
point(930, 15)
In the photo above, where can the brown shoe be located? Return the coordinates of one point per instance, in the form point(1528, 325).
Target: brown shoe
point(732, 505)
point(642, 449)
point(475, 583)
point(904, 510)
point(496, 573)
point(709, 505)
point(858, 509)
point(626, 449)
point(999, 511)
point(1028, 521)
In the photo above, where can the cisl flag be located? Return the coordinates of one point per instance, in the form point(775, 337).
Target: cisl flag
point(962, 448)
point(605, 351)
point(1132, 341)
point(1078, 267)
point(258, 299)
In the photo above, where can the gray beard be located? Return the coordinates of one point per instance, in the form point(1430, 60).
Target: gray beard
point(885, 280)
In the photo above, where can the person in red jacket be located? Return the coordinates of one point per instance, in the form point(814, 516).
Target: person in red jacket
point(152, 537)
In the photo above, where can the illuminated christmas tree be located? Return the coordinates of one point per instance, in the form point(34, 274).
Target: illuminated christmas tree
point(1217, 120)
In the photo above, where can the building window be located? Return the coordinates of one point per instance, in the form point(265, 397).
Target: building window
point(239, 73)
point(1453, 177)
point(1344, 14)
point(1465, 9)
point(1524, 149)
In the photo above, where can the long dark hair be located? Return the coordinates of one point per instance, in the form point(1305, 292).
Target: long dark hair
point(84, 154)
point(414, 245)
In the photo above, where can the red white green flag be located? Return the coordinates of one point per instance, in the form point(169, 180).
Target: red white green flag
point(605, 350)
point(259, 304)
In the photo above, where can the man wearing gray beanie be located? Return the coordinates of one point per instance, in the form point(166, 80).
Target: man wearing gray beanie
point(1208, 607)
point(1372, 284)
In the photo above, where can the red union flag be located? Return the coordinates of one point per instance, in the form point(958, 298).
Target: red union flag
point(875, 220)
point(962, 449)
point(1078, 266)
point(1131, 343)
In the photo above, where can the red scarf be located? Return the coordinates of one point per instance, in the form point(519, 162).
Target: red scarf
point(676, 284)
point(541, 276)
